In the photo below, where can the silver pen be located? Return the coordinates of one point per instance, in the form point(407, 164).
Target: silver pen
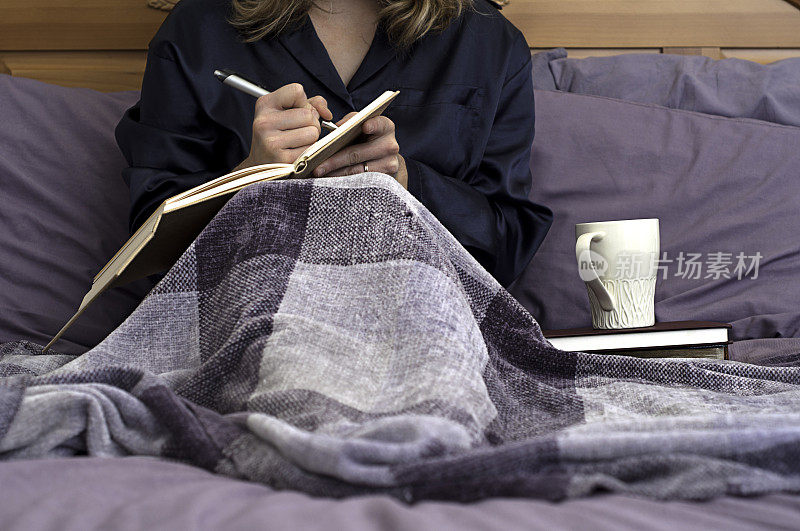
point(236, 81)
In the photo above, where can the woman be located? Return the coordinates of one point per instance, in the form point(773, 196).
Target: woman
point(457, 136)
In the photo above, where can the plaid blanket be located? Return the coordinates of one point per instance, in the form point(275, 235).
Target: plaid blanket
point(331, 336)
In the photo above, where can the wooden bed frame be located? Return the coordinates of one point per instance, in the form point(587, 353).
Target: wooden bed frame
point(101, 44)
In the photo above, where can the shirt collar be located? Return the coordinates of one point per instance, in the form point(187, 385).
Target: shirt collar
point(306, 47)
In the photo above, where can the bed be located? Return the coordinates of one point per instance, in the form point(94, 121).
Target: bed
point(717, 164)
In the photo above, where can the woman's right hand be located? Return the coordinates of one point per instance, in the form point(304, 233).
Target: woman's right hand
point(286, 122)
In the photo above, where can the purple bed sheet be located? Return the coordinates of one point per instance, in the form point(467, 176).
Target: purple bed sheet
point(147, 493)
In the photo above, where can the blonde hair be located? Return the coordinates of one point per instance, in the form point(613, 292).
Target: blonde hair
point(405, 21)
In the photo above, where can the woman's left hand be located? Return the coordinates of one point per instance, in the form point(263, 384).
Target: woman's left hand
point(380, 152)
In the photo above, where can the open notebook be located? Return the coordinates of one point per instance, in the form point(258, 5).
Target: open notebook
point(169, 231)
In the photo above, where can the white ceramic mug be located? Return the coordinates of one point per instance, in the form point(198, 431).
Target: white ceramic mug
point(618, 262)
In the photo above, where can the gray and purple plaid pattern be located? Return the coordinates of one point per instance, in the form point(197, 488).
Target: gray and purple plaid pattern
point(331, 336)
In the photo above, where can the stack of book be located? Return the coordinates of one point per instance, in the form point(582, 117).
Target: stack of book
point(679, 339)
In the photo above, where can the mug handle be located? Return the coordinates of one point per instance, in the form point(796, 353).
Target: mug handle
point(582, 247)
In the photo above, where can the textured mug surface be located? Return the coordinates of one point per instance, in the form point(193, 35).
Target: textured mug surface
point(618, 262)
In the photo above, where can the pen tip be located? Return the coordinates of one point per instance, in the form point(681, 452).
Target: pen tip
point(222, 75)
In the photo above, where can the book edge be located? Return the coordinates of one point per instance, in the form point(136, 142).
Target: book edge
point(672, 325)
point(649, 339)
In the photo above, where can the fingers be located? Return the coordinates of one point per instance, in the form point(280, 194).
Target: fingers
point(295, 119)
point(293, 96)
point(285, 123)
point(321, 106)
point(378, 126)
point(280, 145)
point(295, 138)
point(347, 117)
point(388, 165)
point(290, 96)
point(380, 145)
point(272, 114)
point(271, 145)
point(358, 154)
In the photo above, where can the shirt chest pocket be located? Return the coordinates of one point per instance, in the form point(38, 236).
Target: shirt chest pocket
point(439, 127)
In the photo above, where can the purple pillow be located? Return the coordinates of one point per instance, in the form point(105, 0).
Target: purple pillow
point(543, 78)
point(64, 211)
point(718, 185)
point(729, 87)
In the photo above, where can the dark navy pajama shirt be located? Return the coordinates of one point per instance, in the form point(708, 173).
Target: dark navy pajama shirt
point(464, 117)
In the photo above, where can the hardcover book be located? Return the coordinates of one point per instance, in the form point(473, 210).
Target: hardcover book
point(168, 232)
point(677, 339)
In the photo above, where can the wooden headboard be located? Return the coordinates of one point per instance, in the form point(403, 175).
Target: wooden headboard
point(101, 44)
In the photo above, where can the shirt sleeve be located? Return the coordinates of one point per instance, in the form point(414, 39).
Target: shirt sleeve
point(169, 142)
point(489, 211)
